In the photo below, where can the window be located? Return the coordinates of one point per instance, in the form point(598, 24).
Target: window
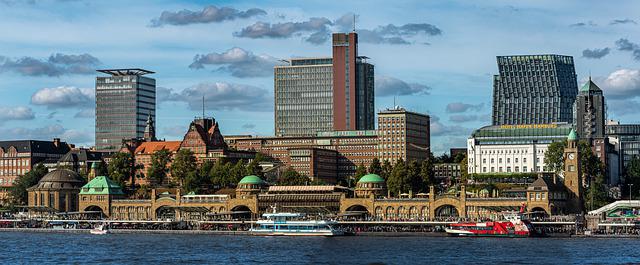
point(484, 169)
point(499, 160)
point(516, 160)
point(517, 169)
point(508, 169)
point(572, 168)
point(493, 169)
point(524, 169)
point(524, 160)
point(508, 160)
point(492, 161)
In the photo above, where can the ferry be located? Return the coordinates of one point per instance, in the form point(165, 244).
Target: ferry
point(293, 224)
point(514, 226)
point(100, 229)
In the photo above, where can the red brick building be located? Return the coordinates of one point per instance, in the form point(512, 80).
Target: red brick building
point(19, 157)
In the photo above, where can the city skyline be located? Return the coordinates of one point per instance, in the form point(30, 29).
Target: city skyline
point(435, 58)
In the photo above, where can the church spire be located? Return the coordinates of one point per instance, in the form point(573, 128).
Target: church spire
point(149, 130)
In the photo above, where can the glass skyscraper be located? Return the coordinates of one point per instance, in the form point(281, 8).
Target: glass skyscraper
point(534, 89)
point(325, 94)
point(124, 102)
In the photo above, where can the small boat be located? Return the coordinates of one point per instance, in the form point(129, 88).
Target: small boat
point(293, 224)
point(100, 229)
point(514, 226)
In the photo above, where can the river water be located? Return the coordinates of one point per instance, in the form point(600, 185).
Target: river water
point(59, 248)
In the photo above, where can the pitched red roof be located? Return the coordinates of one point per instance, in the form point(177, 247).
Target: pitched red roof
point(151, 147)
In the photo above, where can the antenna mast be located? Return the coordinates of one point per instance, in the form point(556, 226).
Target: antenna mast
point(202, 106)
point(354, 22)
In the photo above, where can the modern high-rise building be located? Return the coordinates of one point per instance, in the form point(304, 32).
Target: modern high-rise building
point(403, 135)
point(325, 94)
point(353, 92)
point(534, 89)
point(590, 112)
point(125, 100)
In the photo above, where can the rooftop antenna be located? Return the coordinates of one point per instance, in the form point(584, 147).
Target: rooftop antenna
point(202, 106)
point(354, 22)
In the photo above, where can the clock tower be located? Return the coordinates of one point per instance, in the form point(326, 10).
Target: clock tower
point(573, 174)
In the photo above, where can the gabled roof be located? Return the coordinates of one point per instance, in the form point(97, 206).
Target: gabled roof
point(35, 146)
point(590, 86)
point(101, 185)
point(544, 183)
point(152, 147)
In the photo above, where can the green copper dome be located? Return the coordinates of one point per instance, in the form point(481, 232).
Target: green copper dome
point(251, 179)
point(101, 185)
point(572, 135)
point(371, 178)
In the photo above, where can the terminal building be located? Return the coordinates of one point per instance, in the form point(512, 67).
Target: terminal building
point(513, 148)
point(402, 135)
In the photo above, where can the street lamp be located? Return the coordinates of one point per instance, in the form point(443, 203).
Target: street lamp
point(630, 188)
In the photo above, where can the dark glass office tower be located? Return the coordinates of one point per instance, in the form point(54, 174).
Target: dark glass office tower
point(534, 89)
point(125, 100)
point(590, 111)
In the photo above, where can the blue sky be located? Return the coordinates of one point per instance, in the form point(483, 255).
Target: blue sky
point(436, 57)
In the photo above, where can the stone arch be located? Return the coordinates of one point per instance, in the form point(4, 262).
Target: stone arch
point(424, 213)
point(379, 214)
point(539, 212)
point(241, 212)
point(401, 213)
point(358, 211)
point(447, 210)
point(94, 208)
point(389, 213)
point(413, 213)
point(165, 212)
point(222, 209)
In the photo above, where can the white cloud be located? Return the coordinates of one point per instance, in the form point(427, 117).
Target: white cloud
point(16, 113)
point(623, 83)
point(64, 97)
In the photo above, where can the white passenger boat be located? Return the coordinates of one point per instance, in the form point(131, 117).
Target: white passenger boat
point(100, 229)
point(293, 224)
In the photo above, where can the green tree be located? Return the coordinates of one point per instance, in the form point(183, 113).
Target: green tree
point(183, 164)
point(102, 169)
point(398, 181)
point(553, 158)
point(253, 167)
point(464, 169)
point(292, 177)
point(237, 172)
point(387, 168)
point(633, 176)
point(375, 167)
point(218, 174)
point(158, 170)
point(596, 194)
point(413, 176)
point(361, 170)
point(427, 174)
point(195, 182)
point(122, 168)
point(18, 192)
point(459, 157)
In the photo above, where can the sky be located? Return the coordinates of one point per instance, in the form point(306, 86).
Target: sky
point(434, 57)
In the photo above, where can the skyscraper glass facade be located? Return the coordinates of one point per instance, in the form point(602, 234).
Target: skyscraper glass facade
point(534, 89)
point(304, 97)
point(124, 102)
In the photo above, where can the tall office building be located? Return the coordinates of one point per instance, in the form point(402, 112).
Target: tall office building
point(534, 89)
point(352, 85)
point(325, 94)
point(125, 100)
point(403, 135)
point(590, 112)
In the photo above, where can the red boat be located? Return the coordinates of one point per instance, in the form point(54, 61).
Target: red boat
point(513, 227)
